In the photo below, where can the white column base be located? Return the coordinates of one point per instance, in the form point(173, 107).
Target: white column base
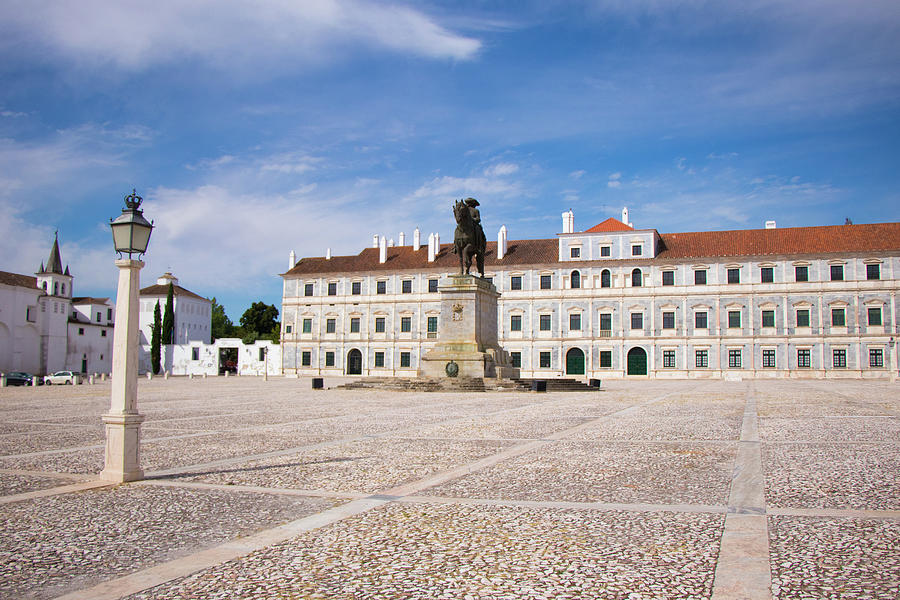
point(123, 447)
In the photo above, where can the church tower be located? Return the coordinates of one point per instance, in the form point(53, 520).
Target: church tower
point(56, 306)
point(52, 279)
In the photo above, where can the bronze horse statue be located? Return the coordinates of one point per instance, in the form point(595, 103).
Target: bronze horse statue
point(468, 240)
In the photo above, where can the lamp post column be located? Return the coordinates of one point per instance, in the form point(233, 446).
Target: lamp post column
point(123, 422)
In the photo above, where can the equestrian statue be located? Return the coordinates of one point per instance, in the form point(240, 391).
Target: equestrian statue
point(469, 240)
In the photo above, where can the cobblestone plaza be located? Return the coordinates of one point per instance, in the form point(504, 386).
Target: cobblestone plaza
point(646, 489)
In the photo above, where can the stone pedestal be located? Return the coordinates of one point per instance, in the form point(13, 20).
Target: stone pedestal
point(467, 337)
point(123, 447)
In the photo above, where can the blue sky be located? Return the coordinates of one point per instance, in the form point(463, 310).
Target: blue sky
point(254, 129)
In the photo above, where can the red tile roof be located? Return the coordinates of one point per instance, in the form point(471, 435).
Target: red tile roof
point(163, 290)
point(89, 300)
point(15, 279)
point(611, 224)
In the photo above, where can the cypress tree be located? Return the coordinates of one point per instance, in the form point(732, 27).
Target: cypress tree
point(155, 335)
point(168, 324)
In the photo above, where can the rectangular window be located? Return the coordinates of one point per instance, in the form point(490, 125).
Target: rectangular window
point(876, 358)
point(637, 320)
point(767, 274)
point(803, 358)
point(356, 288)
point(734, 319)
point(701, 359)
point(605, 250)
point(381, 287)
point(768, 359)
point(873, 272)
point(81, 331)
point(379, 360)
point(98, 316)
point(637, 250)
point(329, 359)
point(768, 318)
point(668, 320)
point(516, 359)
point(574, 252)
point(874, 314)
point(109, 314)
point(432, 324)
point(838, 317)
point(102, 333)
point(668, 359)
point(803, 317)
point(668, 277)
point(546, 282)
point(700, 320)
point(606, 359)
point(305, 358)
point(801, 273)
point(330, 325)
point(307, 325)
point(839, 359)
point(332, 288)
point(405, 324)
point(734, 275)
point(288, 328)
point(605, 322)
point(544, 358)
point(308, 289)
point(379, 324)
point(404, 360)
point(545, 322)
point(575, 322)
point(700, 277)
point(406, 286)
point(515, 282)
point(515, 322)
point(354, 325)
point(837, 272)
point(734, 359)
point(432, 285)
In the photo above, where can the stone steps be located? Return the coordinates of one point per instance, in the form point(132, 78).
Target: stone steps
point(462, 384)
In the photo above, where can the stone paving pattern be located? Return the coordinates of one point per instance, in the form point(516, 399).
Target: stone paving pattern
point(616, 494)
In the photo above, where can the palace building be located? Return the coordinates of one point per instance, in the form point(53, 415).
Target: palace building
point(615, 301)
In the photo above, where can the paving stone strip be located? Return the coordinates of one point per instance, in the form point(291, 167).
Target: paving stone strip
point(55, 491)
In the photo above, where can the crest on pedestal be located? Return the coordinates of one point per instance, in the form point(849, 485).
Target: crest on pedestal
point(457, 310)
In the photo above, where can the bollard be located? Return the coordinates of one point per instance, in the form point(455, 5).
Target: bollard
point(103, 377)
point(190, 375)
point(318, 383)
point(166, 375)
point(91, 379)
point(149, 375)
point(2, 380)
point(226, 372)
point(34, 381)
point(204, 376)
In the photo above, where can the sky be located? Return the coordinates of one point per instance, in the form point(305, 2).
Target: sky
point(252, 129)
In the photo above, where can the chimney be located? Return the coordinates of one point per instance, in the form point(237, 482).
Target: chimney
point(292, 259)
point(625, 216)
point(391, 243)
point(382, 250)
point(375, 241)
point(437, 244)
point(770, 224)
point(417, 240)
point(568, 219)
point(328, 254)
point(501, 243)
point(430, 247)
point(402, 239)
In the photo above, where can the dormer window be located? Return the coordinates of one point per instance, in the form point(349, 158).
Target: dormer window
point(637, 250)
point(605, 251)
point(575, 252)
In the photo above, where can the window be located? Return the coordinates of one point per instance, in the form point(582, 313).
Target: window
point(803, 317)
point(839, 359)
point(768, 359)
point(637, 250)
point(406, 286)
point(356, 288)
point(734, 359)
point(81, 331)
point(700, 320)
point(545, 322)
point(768, 318)
point(837, 272)
point(56, 288)
point(668, 320)
point(734, 275)
point(308, 289)
point(305, 358)
point(605, 322)
point(701, 359)
point(262, 354)
point(700, 277)
point(668, 277)
point(767, 275)
point(874, 314)
point(668, 359)
point(405, 324)
point(734, 319)
point(803, 358)
point(636, 278)
point(516, 359)
point(605, 250)
point(329, 359)
point(307, 325)
point(575, 322)
point(515, 282)
point(99, 316)
point(63, 289)
point(637, 320)
point(801, 273)
point(876, 357)
point(544, 360)
point(379, 359)
point(102, 333)
point(329, 325)
point(404, 360)
point(381, 287)
point(354, 325)
point(288, 328)
point(379, 324)
point(332, 288)
point(873, 272)
point(546, 282)
point(432, 324)
point(606, 359)
point(574, 252)
point(838, 317)
point(575, 280)
point(432, 285)
point(605, 279)
point(515, 322)
point(109, 314)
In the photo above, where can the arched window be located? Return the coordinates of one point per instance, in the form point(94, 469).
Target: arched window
point(56, 288)
point(575, 280)
point(44, 285)
point(636, 278)
point(605, 279)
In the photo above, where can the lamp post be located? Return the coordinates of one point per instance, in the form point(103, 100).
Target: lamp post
point(131, 234)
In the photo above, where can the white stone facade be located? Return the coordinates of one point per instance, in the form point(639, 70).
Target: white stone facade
point(198, 358)
point(90, 335)
point(193, 313)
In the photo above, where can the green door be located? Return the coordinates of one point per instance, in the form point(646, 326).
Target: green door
point(637, 361)
point(575, 362)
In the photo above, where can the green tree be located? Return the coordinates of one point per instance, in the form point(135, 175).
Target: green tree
point(155, 335)
point(260, 318)
point(221, 326)
point(168, 324)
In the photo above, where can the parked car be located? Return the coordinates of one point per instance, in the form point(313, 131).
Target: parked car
point(18, 378)
point(61, 378)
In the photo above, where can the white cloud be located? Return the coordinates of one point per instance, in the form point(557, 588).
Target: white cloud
point(290, 163)
point(577, 174)
point(443, 189)
point(613, 183)
point(501, 169)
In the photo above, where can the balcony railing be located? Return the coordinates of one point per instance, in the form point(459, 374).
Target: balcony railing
point(605, 333)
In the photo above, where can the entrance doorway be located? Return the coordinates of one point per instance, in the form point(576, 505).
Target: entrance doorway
point(575, 362)
point(354, 362)
point(637, 361)
point(228, 360)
